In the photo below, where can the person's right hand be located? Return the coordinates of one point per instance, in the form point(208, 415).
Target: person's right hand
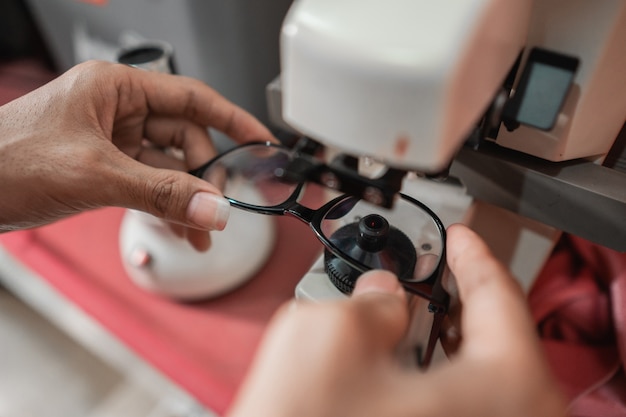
point(339, 358)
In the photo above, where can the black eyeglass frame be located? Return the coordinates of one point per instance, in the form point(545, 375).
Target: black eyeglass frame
point(430, 288)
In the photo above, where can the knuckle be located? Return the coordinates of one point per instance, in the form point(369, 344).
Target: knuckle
point(190, 109)
point(162, 195)
point(91, 70)
point(92, 65)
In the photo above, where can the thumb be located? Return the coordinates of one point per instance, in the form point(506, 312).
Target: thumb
point(378, 281)
point(171, 195)
point(382, 309)
point(494, 310)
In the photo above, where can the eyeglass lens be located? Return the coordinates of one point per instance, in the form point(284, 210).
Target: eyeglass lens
point(405, 240)
point(257, 167)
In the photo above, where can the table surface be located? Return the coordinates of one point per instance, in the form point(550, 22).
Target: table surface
point(204, 347)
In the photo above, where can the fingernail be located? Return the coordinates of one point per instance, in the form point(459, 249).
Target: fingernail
point(378, 282)
point(208, 211)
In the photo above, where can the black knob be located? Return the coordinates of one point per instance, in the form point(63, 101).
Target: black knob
point(373, 243)
point(373, 233)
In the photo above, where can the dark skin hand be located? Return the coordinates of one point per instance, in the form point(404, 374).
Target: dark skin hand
point(95, 136)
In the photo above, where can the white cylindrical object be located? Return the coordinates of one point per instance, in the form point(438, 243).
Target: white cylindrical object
point(160, 262)
point(156, 56)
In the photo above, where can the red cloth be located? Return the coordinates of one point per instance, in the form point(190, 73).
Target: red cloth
point(205, 347)
point(579, 305)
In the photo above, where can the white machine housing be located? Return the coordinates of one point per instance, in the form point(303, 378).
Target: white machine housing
point(406, 81)
point(595, 109)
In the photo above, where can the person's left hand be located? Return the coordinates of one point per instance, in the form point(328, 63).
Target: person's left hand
point(93, 137)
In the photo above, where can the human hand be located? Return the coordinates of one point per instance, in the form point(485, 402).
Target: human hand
point(338, 358)
point(94, 137)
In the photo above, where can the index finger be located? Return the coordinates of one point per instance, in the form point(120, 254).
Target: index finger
point(179, 96)
point(494, 313)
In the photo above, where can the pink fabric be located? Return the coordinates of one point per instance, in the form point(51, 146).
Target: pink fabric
point(579, 305)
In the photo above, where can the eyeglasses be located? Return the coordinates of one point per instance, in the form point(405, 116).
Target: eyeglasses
point(408, 240)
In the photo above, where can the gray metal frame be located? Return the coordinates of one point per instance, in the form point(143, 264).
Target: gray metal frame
point(578, 197)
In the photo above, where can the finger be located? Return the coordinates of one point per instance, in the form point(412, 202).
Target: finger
point(199, 239)
point(159, 159)
point(383, 282)
point(499, 354)
point(494, 314)
point(381, 309)
point(192, 139)
point(450, 334)
point(179, 96)
point(171, 195)
point(178, 229)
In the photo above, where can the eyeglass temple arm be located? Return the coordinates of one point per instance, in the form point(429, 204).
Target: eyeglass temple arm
point(438, 305)
point(424, 361)
point(432, 290)
point(197, 172)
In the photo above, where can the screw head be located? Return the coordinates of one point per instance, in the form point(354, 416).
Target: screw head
point(330, 180)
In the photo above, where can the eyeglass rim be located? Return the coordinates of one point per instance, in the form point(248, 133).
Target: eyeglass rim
point(315, 223)
point(277, 209)
point(321, 212)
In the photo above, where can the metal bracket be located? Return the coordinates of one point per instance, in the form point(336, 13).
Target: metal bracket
point(578, 197)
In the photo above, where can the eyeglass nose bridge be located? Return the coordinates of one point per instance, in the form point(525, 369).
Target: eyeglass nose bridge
point(300, 212)
point(314, 216)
